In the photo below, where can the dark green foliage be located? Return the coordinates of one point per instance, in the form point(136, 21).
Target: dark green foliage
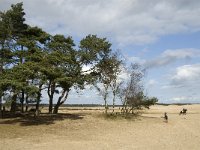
point(93, 49)
point(14, 20)
point(20, 53)
point(148, 101)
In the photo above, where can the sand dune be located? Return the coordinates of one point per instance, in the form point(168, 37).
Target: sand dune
point(88, 130)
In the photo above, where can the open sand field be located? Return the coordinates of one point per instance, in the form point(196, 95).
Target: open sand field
point(89, 130)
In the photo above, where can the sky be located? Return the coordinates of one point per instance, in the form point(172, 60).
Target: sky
point(162, 35)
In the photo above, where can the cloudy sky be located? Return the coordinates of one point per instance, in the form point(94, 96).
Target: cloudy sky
point(162, 35)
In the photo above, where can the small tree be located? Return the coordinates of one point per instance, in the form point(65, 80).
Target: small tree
point(96, 52)
point(148, 101)
point(105, 68)
point(132, 94)
point(114, 76)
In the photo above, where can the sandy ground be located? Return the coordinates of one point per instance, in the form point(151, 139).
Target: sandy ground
point(88, 130)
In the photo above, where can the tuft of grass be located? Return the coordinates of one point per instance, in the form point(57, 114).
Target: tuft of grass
point(120, 116)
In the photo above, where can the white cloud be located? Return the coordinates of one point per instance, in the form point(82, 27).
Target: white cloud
point(126, 21)
point(183, 85)
point(170, 56)
point(184, 77)
point(186, 74)
point(176, 84)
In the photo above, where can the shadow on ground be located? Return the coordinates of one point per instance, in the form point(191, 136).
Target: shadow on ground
point(43, 119)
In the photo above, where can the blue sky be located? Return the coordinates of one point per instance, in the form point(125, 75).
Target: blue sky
point(161, 35)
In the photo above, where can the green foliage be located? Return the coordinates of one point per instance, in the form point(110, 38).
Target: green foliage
point(148, 101)
point(93, 49)
point(14, 20)
point(32, 60)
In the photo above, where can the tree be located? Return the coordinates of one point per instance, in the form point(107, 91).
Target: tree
point(96, 52)
point(13, 22)
point(5, 53)
point(132, 94)
point(60, 63)
point(36, 39)
point(21, 48)
point(93, 50)
point(109, 69)
point(114, 76)
point(148, 101)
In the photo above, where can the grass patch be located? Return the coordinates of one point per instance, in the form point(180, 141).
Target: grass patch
point(120, 116)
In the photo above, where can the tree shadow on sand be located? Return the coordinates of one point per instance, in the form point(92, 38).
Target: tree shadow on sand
point(43, 119)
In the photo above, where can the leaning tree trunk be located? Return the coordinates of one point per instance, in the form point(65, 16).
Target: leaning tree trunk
point(105, 99)
point(61, 100)
point(56, 107)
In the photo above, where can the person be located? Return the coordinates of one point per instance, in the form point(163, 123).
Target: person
point(165, 117)
point(183, 112)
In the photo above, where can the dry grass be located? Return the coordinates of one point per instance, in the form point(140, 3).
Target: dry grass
point(88, 129)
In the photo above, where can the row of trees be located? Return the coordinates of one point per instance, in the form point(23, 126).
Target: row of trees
point(32, 60)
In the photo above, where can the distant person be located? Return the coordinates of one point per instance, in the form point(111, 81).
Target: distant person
point(166, 117)
point(183, 112)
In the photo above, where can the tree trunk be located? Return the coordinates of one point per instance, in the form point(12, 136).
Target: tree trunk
point(22, 101)
point(22, 107)
point(56, 107)
point(13, 104)
point(105, 99)
point(38, 97)
point(61, 100)
point(1, 111)
point(50, 104)
point(1, 93)
point(51, 91)
point(37, 105)
point(124, 108)
point(105, 103)
point(26, 102)
point(113, 102)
